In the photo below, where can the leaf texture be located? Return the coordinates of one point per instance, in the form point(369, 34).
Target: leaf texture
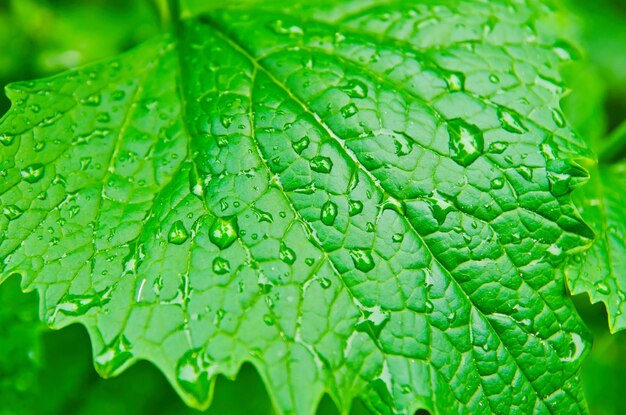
point(365, 199)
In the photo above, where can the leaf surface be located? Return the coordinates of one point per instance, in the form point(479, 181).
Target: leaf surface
point(365, 199)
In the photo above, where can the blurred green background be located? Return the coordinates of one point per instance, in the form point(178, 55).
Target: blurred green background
point(46, 373)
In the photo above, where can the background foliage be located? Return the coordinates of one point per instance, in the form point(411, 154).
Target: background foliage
point(51, 373)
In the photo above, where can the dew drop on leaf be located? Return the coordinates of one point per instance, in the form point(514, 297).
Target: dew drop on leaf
point(466, 142)
point(498, 147)
point(6, 139)
point(113, 358)
point(349, 110)
point(328, 213)
point(355, 89)
point(12, 212)
point(221, 266)
point(287, 255)
point(301, 145)
point(192, 376)
point(33, 173)
point(321, 164)
point(558, 118)
point(510, 122)
point(223, 232)
point(178, 233)
point(355, 207)
point(362, 260)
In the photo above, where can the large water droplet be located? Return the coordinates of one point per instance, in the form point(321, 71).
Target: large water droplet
point(362, 260)
point(328, 213)
point(321, 164)
point(192, 376)
point(33, 173)
point(466, 142)
point(113, 358)
point(178, 233)
point(263, 216)
point(223, 232)
point(373, 321)
point(221, 266)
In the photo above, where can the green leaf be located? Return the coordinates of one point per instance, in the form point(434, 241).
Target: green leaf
point(361, 199)
point(599, 271)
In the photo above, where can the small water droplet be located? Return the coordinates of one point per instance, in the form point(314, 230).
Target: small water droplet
point(301, 145)
point(526, 172)
point(466, 142)
point(510, 122)
point(262, 216)
point(603, 288)
point(223, 232)
point(362, 260)
point(33, 173)
point(12, 212)
point(268, 320)
point(6, 139)
point(355, 89)
point(349, 110)
point(325, 283)
point(221, 266)
point(355, 207)
point(455, 81)
point(321, 164)
point(286, 254)
point(328, 213)
point(278, 27)
point(498, 147)
point(397, 237)
point(493, 78)
point(559, 118)
point(497, 183)
point(178, 233)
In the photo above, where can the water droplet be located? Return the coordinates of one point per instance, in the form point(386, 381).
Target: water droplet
point(268, 320)
point(262, 216)
point(466, 142)
point(6, 139)
point(325, 283)
point(498, 147)
point(603, 288)
point(455, 81)
point(309, 261)
point(328, 213)
point(497, 183)
point(493, 78)
point(92, 100)
point(223, 232)
point(439, 209)
point(526, 172)
point(510, 122)
point(118, 95)
point(178, 233)
point(279, 28)
point(12, 212)
point(301, 145)
point(402, 145)
point(221, 266)
point(113, 358)
point(321, 164)
point(286, 254)
point(362, 260)
point(226, 120)
point(349, 110)
point(192, 376)
point(397, 237)
point(355, 89)
point(355, 207)
point(373, 321)
point(559, 118)
point(33, 173)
